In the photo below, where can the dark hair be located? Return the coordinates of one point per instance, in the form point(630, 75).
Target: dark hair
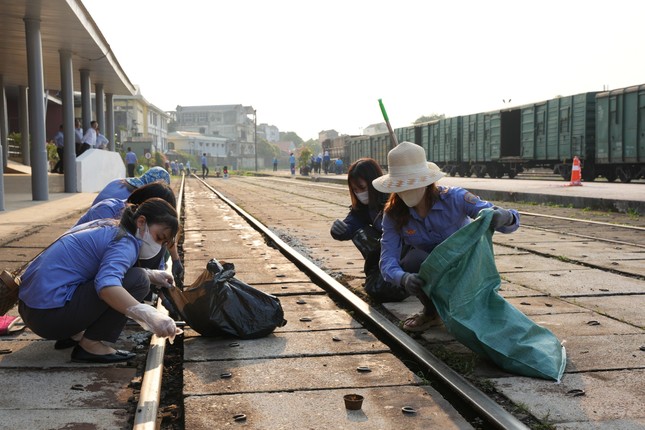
point(399, 211)
point(366, 169)
point(153, 189)
point(156, 211)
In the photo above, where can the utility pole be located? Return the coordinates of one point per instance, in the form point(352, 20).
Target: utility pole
point(255, 136)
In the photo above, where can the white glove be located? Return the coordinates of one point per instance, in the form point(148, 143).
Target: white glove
point(339, 227)
point(159, 278)
point(154, 321)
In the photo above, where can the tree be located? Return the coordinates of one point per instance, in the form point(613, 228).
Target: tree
point(304, 157)
point(291, 136)
point(314, 145)
point(431, 117)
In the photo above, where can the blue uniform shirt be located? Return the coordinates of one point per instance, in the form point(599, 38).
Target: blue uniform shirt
point(59, 139)
point(455, 208)
point(130, 158)
point(117, 189)
point(108, 208)
point(74, 259)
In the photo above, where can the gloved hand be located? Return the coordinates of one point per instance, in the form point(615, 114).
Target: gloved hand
point(339, 228)
point(501, 218)
point(178, 270)
point(154, 321)
point(412, 283)
point(159, 278)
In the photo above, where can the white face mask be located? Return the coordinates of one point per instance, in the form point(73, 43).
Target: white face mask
point(411, 198)
point(363, 197)
point(149, 248)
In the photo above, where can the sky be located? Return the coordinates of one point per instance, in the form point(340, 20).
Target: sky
point(308, 66)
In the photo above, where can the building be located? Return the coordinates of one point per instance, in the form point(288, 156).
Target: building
point(138, 122)
point(227, 121)
point(373, 129)
point(196, 144)
point(270, 132)
point(327, 135)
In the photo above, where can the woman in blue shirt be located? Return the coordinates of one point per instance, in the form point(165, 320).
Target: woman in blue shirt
point(418, 216)
point(84, 285)
point(362, 225)
point(122, 188)
point(113, 208)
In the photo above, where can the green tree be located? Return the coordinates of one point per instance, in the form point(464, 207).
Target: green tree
point(431, 117)
point(291, 136)
point(314, 145)
point(304, 157)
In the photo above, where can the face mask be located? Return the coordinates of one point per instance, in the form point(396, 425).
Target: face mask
point(411, 198)
point(149, 248)
point(363, 197)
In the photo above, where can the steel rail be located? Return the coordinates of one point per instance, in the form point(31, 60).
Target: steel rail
point(607, 224)
point(457, 384)
point(145, 417)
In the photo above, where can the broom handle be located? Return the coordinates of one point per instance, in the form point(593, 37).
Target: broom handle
point(393, 138)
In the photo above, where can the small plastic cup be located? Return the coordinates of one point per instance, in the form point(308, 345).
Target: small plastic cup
point(353, 402)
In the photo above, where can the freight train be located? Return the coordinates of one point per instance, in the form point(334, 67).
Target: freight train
point(605, 130)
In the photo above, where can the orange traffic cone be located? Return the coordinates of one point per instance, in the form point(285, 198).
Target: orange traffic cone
point(576, 172)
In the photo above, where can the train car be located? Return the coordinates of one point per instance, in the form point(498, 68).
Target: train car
point(556, 130)
point(447, 153)
point(620, 134)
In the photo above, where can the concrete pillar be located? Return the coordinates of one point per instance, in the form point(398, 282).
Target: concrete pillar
point(39, 180)
point(4, 133)
point(86, 100)
point(25, 139)
point(67, 96)
point(109, 120)
point(100, 116)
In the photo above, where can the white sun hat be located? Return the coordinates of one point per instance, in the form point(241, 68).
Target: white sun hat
point(408, 170)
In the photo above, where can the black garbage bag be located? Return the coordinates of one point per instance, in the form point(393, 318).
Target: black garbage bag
point(218, 304)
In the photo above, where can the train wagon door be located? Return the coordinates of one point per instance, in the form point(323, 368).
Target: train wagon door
point(511, 133)
point(528, 128)
point(615, 129)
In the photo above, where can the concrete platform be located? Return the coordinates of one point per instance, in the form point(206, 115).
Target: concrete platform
point(325, 410)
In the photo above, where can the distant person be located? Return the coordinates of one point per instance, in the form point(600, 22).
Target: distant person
point(362, 226)
point(59, 141)
point(292, 163)
point(326, 161)
point(205, 170)
point(101, 141)
point(90, 136)
point(131, 162)
point(122, 188)
point(339, 166)
point(173, 168)
point(275, 164)
point(78, 136)
point(318, 163)
point(81, 290)
point(181, 168)
point(188, 172)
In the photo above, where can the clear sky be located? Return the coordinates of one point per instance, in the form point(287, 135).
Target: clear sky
point(307, 66)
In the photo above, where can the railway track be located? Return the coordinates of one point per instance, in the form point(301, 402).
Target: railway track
point(560, 280)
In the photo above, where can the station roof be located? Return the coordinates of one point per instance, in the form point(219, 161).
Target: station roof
point(64, 25)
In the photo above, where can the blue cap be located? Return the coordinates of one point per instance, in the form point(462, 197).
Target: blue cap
point(154, 174)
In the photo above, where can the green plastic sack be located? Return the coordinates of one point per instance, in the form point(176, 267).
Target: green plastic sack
point(463, 283)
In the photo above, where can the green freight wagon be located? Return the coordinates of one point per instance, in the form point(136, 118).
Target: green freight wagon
point(447, 154)
point(554, 131)
point(620, 134)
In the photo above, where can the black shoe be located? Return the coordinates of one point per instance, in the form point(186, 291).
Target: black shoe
point(65, 343)
point(79, 355)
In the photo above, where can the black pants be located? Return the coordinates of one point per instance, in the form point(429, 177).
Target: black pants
point(205, 170)
point(59, 165)
point(85, 147)
point(130, 170)
point(86, 311)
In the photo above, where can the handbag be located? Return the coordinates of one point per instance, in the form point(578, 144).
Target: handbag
point(219, 304)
